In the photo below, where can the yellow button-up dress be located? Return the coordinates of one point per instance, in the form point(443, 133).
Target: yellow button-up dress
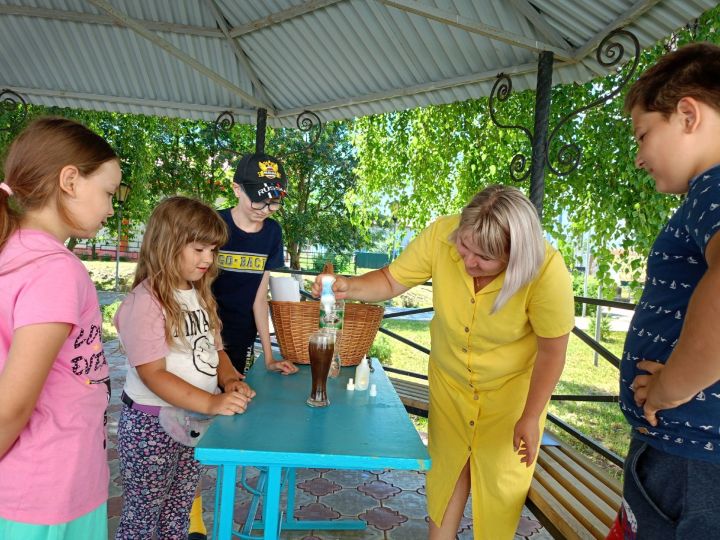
point(479, 373)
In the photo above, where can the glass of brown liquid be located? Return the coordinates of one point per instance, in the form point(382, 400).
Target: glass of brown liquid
point(321, 350)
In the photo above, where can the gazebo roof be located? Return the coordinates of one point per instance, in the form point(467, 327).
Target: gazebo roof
point(338, 58)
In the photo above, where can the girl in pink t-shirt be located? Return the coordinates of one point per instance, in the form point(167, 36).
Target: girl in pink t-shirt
point(60, 178)
point(170, 330)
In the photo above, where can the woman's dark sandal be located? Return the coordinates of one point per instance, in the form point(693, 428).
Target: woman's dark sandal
point(197, 536)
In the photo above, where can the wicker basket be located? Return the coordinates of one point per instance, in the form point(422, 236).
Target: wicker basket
point(295, 321)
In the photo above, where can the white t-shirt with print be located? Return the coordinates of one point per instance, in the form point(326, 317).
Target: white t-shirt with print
point(140, 322)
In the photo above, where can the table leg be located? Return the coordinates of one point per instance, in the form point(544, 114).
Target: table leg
point(292, 524)
point(226, 475)
point(271, 511)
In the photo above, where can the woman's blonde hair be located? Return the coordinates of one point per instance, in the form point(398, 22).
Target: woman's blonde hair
point(504, 225)
point(175, 223)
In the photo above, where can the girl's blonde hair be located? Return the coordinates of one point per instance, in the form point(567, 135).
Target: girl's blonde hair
point(33, 164)
point(175, 223)
point(504, 225)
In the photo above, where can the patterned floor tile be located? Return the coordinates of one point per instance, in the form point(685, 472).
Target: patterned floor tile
point(379, 490)
point(349, 479)
point(305, 474)
point(383, 518)
point(319, 487)
point(527, 527)
point(405, 480)
point(366, 534)
point(412, 529)
point(411, 503)
point(316, 511)
point(349, 502)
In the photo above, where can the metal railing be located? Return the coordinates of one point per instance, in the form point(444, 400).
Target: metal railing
point(583, 336)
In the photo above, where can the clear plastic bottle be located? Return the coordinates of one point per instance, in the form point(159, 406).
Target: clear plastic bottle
point(362, 375)
point(332, 315)
point(336, 363)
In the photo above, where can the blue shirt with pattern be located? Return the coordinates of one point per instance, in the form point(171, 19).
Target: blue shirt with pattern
point(675, 266)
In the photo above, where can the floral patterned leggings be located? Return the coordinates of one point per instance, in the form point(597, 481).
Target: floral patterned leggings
point(159, 479)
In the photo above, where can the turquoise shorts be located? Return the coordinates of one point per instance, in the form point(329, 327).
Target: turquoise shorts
point(91, 526)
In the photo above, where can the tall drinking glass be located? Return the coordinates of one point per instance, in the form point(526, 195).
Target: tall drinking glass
point(321, 349)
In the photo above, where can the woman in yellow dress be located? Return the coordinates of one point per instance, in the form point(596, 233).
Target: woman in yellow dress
point(503, 305)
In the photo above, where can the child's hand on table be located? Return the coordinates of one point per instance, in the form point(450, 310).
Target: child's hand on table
point(282, 366)
point(229, 402)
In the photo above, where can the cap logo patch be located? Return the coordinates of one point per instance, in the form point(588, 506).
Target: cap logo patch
point(269, 170)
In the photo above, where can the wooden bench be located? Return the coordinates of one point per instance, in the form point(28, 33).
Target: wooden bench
point(571, 497)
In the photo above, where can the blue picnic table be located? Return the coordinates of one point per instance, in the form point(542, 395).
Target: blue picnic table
point(279, 433)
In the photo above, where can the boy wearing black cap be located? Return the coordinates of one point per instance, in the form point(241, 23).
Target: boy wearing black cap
point(254, 248)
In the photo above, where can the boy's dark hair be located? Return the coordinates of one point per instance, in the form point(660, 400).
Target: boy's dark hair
point(691, 71)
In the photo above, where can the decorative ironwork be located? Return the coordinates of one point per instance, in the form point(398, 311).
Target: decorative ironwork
point(10, 103)
point(609, 54)
point(501, 91)
point(223, 124)
point(306, 122)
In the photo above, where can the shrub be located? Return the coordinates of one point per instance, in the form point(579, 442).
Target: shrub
point(592, 291)
point(414, 298)
point(381, 349)
point(604, 323)
point(109, 311)
point(342, 263)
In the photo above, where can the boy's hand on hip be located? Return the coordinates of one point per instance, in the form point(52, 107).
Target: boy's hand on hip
point(650, 393)
point(229, 403)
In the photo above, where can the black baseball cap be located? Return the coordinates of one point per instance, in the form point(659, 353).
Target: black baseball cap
point(262, 177)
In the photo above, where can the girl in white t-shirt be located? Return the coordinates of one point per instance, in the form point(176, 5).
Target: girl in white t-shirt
point(170, 330)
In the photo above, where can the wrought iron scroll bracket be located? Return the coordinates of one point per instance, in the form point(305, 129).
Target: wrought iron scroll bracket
point(224, 122)
point(306, 122)
point(501, 91)
point(10, 102)
point(609, 54)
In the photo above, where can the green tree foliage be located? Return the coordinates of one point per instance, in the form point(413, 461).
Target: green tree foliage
point(165, 156)
point(429, 161)
point(317, 210)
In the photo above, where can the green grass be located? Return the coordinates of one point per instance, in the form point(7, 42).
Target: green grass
point(103, 274)
point(602, 421)
point(108, 328)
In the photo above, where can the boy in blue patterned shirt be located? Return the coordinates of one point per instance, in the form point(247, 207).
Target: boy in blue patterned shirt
point(669, 389)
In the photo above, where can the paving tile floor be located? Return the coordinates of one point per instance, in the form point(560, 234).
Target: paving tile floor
point(391, 501)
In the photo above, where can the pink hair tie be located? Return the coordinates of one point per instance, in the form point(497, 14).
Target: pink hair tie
point(6, 189)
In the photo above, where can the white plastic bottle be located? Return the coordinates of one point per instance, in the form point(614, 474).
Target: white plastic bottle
point(362, 375)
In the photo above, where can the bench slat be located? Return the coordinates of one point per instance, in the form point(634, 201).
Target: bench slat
point(592, 469)
point(558, 516)
point(412, 394)
point(588, 473)
point(581, 487)
point(564, 499)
